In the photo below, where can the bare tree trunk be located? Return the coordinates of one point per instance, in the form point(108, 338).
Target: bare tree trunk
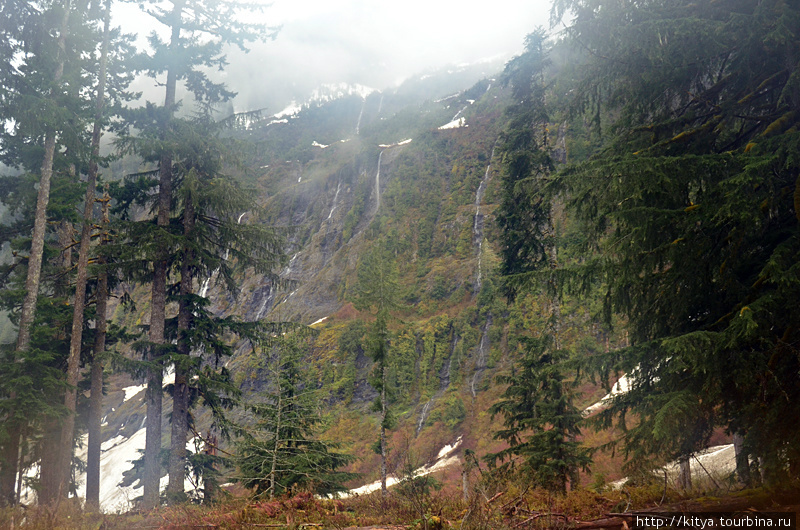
point(742, 460)
point(79, 305)
point(180, 396)
point(154, 397)
point(684, 472)
point(277, 444)
point(49, 463)
point(384, 491)
point(96, 400)
point(8, 471)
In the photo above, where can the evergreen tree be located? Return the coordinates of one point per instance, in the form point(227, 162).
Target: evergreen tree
point(44, 93)
point(198, 31)
point(693, 207)
point(524, 213)
point(541, 422)
point(283, 452)
point(377, 289)
point(53, 74)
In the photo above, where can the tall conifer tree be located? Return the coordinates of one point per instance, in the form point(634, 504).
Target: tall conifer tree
point(198, 31)
point(693, 208)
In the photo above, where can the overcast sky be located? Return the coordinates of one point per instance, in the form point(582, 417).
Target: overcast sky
point(371, 42)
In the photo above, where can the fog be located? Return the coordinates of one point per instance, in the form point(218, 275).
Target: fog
point(373, 43)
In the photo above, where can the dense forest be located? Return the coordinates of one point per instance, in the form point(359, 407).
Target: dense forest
point(317, 299)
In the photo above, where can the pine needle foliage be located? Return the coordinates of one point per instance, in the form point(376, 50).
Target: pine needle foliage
point(691, 207)
point(283, 452)
point(541, 423)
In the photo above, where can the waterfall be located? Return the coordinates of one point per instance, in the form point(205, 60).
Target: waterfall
point(288, 270)
point(380, 104)
point(477, 226)
point(338, 188)
point(459, 113)
point(378, 184)
point(481, 361)
point(423, 416)
point(444, 382)
point(207, 282)
point(360, 114)
point(265, 303)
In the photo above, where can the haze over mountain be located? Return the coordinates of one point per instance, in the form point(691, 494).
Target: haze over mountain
point(376, 44)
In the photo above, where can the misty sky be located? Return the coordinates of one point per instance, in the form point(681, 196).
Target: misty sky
point(371, 42)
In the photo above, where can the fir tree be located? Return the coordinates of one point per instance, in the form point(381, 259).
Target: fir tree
point(283, 452)
point(377, 289)
point(692, 205)
point(198, 31)
point(541, 422)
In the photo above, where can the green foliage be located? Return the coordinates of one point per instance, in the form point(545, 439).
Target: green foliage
point(283, 453)
point(524, 214)
point(690, 213)
point(541, 423)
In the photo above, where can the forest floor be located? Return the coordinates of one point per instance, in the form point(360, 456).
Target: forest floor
point(506, 510)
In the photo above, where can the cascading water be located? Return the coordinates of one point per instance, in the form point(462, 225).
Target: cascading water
point(477, 227)
point(360, 114)
point(444, 383)
point(338, 188)
point(380, 104)
point(378, 184)
point(288, 270)
point(207, 282)
point(265, 304)
point(481, 360)
point(423, 416)
point(458, 114)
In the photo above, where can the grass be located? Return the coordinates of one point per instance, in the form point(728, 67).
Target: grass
point(491, 504)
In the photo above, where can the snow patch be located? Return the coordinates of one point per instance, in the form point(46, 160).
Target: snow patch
point(401, 142)
point(442, 461)
point(323, 319)
point(715, 462)
point(455, 124)
point(317, 144)
point(292, 109)
point(622, 386)
point(131, 391)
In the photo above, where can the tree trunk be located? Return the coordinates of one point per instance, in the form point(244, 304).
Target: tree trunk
point(384, 491)
point(8, 473)
point(54, 472)
point(96, 400)
point(277, 444)
point(180, 396)
point(79, 305)
point(742, 460)
point(684, 472)
point(49, 463)
point(152, 467)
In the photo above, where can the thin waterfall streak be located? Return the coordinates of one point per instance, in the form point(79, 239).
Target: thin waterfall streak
point(338, 188)
point(378, 184)
point(264, 304)
point(423, 416)
point(360, 114)
point(477, 226)
point(207, 282)
point(459, 113)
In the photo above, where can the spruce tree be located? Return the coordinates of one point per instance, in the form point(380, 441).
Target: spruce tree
point(377, 290)
point(44, 100)
point(283, 451)
point(541, 423)
point(692, 206)
point(198, 31)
